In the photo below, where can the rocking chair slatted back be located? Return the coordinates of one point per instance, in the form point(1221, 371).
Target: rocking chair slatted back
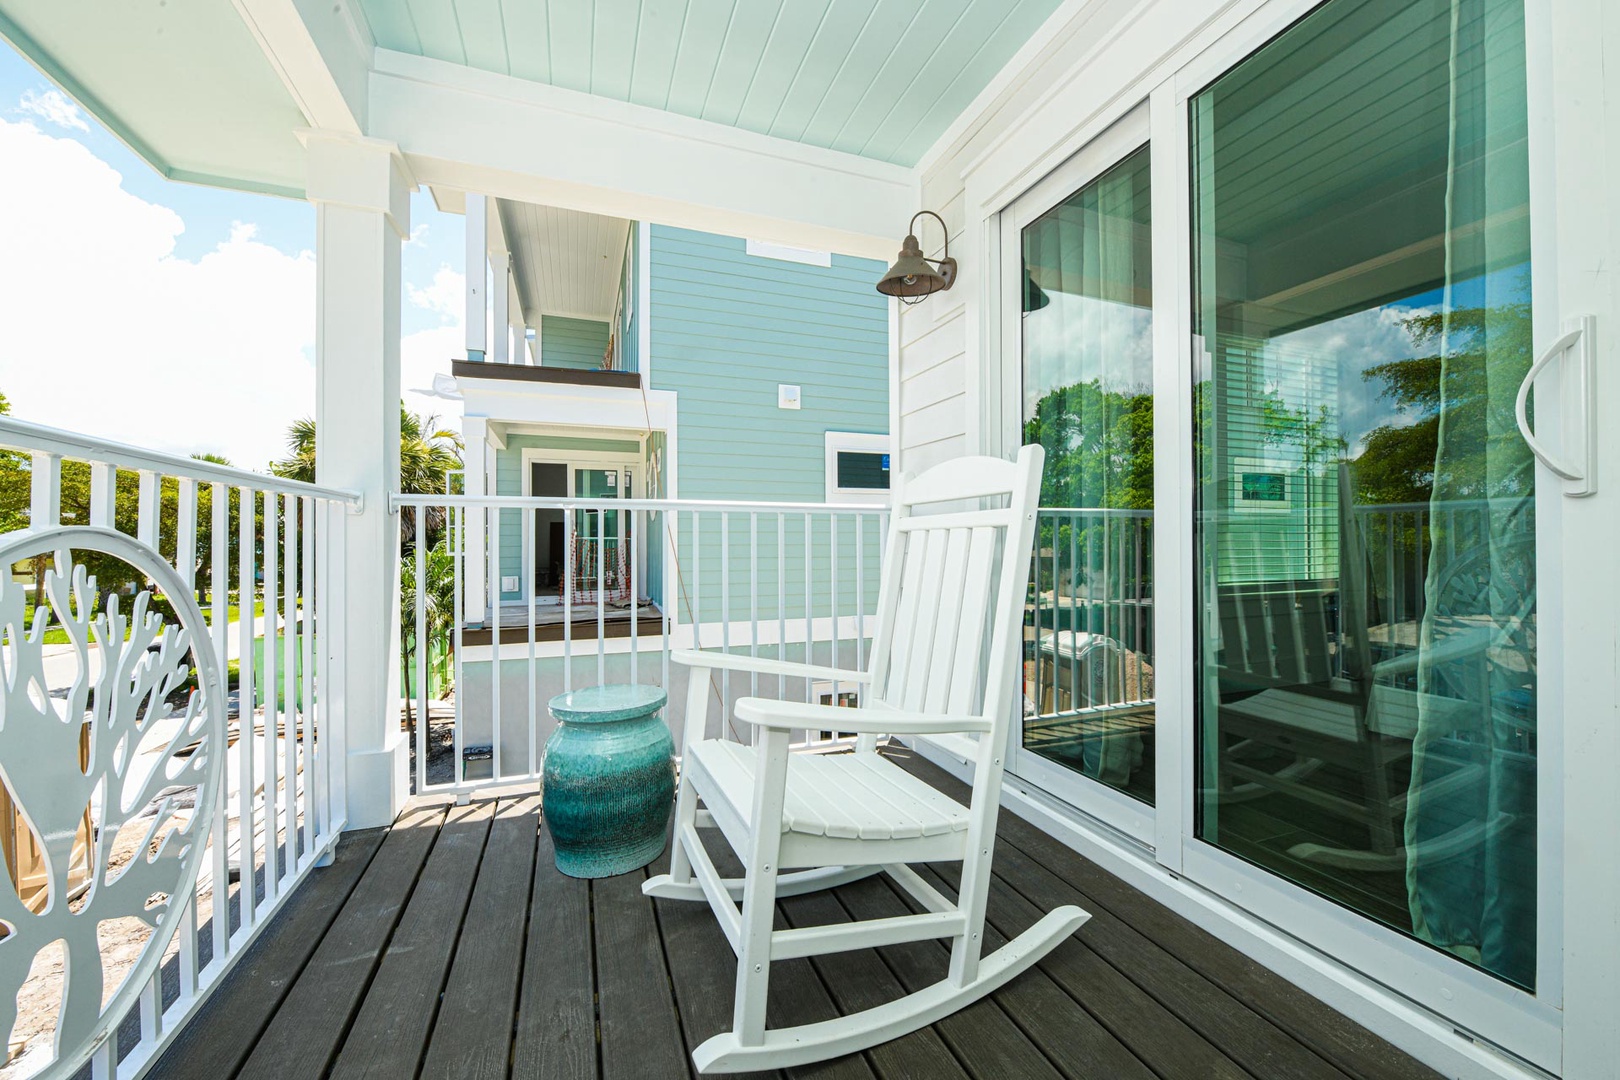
point(946, 633)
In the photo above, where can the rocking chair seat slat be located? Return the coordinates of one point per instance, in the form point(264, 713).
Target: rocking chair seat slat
point(846, 796)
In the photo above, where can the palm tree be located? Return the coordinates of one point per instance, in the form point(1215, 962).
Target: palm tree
point(434, 570)
point(428, 453)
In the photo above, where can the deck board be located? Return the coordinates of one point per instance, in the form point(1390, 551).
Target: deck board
point(451, 947)
point(306, 1031)
point(256, 986)
point(473, 1033)
point(555, 1033)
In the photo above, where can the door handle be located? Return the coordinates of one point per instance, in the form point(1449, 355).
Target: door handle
point(1577, 475)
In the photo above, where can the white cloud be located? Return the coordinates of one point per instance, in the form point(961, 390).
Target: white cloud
point(53, 105)
point(107, 332)
point(103, 330)
point(446, 297)
point(417, 236)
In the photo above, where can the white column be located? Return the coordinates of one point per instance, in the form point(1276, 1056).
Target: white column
point(362, 211)
point(514, 308)
point(500, 268)
point(477, 260)
point(475, 443)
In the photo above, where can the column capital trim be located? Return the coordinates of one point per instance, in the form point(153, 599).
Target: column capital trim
point(358, 173)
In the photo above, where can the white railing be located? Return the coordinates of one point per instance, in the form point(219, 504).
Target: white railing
point(795, 581)
point(1090, 620)
point(227, 533)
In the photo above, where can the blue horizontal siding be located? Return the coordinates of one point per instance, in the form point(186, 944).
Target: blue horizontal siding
point(727, 328)
point(572, 343)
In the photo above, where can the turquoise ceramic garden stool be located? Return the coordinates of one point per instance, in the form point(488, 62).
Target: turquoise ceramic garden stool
point(608, 780)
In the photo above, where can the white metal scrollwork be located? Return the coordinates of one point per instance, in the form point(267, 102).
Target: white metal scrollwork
point(103, 756)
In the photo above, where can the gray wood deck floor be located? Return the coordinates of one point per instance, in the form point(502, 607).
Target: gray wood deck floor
point(449, 946)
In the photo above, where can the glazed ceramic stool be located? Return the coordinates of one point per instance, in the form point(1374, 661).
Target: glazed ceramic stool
point(608, 780)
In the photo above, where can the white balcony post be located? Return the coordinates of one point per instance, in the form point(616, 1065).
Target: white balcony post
point(477, 261)
point(500, 267)
point(475, 440)
point(361, 194)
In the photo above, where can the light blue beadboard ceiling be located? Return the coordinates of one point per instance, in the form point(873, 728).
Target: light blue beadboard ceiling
point(879, 78)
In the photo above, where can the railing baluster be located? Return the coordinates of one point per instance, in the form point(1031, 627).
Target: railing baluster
point(293, 713)
point(527, 581)
point(219, 587)
point(45, 490)
point(568, 597)
point(423, 648)
point(146, 508)
point(781, 599)
point(456, 635)
point(753, 598)
point(725, 611)
point(306, 592)
point(103, 494)
point(185, 531)
point(244, 709)
point(601, 596)
point(492, 581)
point(809, 610)
point(272, 710)
point(635, 534)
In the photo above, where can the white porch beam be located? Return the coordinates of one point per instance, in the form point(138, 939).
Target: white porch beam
point(322, 52)
point(477, 257)
point(599, 156)
point(362, 213)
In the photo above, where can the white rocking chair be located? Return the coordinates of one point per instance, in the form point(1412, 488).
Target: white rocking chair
point(954, 583)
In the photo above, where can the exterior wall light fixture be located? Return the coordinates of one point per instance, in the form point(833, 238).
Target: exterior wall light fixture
point(914, 276)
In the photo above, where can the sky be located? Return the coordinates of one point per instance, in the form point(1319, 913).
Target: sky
point(172, 316)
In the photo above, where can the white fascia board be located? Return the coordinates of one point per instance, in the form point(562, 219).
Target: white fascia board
point(321, 50)
point(609, 157)
point(515, 401)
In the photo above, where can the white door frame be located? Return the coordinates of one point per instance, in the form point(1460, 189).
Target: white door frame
point(1128, 815)
point(637, 464)
point(1495, 1013)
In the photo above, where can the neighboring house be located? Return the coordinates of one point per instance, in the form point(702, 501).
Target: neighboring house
point(638, 361)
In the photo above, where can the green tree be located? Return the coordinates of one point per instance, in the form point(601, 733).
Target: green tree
point(428, 452)
point(1490, 350)
point(433, 569)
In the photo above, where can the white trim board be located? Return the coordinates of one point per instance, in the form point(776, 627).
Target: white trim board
point(456, 123)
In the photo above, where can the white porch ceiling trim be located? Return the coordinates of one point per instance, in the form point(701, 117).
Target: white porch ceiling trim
point(510, 138)
point(322, 53)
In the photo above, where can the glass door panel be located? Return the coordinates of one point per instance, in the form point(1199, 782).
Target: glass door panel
point(1087, 355)
point(602, 536)
point(1365, 529)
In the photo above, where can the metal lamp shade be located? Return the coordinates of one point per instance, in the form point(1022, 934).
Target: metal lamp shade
point(913, 275)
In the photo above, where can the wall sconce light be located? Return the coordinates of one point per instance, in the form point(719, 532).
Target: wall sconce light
point(913, 276)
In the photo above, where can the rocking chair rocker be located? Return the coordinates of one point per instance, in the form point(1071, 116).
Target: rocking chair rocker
point(954, 583)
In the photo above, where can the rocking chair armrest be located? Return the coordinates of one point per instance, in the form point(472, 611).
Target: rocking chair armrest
point(787, 715)
point(764, 666)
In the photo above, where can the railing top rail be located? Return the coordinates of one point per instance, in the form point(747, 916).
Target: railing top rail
point(24, 437)
point(397, 501)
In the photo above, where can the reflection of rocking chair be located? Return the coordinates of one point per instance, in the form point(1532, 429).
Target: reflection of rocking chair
point(1365, 722)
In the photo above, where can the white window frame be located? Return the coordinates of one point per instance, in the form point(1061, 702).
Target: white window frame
point(764, 249)
point(861, 443)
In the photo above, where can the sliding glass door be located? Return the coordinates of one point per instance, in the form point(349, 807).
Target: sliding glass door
point(1084, 336)
point(1365, 527)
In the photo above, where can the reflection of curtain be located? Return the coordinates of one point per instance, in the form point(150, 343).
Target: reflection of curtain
point(1477, 780)
point(1084, 314)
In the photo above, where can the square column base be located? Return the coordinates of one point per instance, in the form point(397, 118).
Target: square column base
point(378, 783)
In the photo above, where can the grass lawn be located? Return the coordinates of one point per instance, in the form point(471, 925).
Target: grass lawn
point(55, 635)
